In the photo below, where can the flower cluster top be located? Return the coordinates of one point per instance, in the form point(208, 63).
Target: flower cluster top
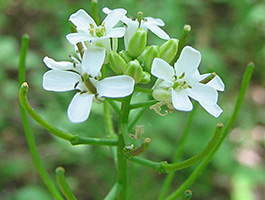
point(177, 77)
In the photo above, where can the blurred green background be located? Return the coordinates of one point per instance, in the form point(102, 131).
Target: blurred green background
point(229, 34)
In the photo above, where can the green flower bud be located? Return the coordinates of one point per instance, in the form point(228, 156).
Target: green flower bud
point(146, 78)
point(148, 56)
point(117, 64)
point(126, 57)
point(169, 49)
point(137, 43)
point(134, 69)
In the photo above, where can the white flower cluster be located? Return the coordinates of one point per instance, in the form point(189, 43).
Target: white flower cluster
point(95, 46)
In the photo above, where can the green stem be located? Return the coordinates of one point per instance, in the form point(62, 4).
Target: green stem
point(136, 118)
point(94, 11)
point(163, 167)
point(143, 104)
point(114, 192)
point(114, 106)
point(74, 139)
point(201, 166)
point(182, 41)
point(65, 189)
point(143, 90)
point(27, 130)
point(121, 159)
point(170, 176)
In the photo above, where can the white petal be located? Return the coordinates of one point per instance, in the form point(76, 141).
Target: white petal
point(113, 18)
point(156, 21)
point(60, 81)
point(74, 38)
point(93, 59)
point(82, 20)
point(79, 108)
point(199, 77)
point(106, 10)
point(116, 32)
point(62, 65)
point(188, 62)
point(181, 101)
point(202, 93)
point(212, 109)
point(217, 83)
point(116, 86)
point(161, 69)
point(159, 32)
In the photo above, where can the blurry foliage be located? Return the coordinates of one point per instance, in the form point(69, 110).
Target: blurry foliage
point(229, 34)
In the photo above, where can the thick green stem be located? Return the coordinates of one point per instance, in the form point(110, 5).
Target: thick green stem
point(114, 192)
point(121, 159)
point(27, 130)
point(164, 167)
point(65, 189)
point(170, 176)
point(202, 165)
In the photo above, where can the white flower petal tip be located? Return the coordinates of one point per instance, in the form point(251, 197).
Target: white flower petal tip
point(181, 101)
point(82, 20)
point(161, 69)
point(212, 109)
point(79, 108)
point(116, 86)
point(62, 65)
point(60, 81)
point(217, 83)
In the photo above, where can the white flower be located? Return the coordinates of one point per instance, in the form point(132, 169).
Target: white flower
point(66, 76)
point(182, 82)
point(87, 29)
point(146, 23)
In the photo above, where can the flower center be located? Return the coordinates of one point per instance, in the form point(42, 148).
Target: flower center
point(180, 84)
point(98, 31)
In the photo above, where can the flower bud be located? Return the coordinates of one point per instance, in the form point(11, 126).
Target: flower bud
point(148, 56)
point(137, 43)
point(117, 64)
point(126, 57)
point(169, 49)
point(134, 69)
point(146, 78)
point(162, 92)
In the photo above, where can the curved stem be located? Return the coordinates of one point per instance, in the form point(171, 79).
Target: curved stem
point(114, 192)
point(65, 189)
point(170, 176)
point(202, 165)
point(143, 90)
point(163, 167)
point(27, 130)
point(136, 118)
point(74, 139)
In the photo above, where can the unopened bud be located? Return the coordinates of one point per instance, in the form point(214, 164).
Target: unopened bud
point(134, 69)
point(137, 43)
point(126, 57)
point(146, 78)
point(169, 49)
point(148, 56)
point(117, 64)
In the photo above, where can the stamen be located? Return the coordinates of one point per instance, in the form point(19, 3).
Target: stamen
point(182, 75)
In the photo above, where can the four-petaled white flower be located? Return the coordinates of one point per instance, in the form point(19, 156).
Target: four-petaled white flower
point(176, 85)
point(87, 29)
point(84, 76)
point(147, 23)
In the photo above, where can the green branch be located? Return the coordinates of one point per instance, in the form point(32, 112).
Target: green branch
point(164, 167)
point(202, 165)
point(65, 189)
point(27, 130)
point(114, 192)
point(143, 104)
point(74, 139)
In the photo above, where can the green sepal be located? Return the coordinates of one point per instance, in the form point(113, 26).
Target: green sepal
point(126, 57)
point(135, 70)
point(169, 49)
point(148, 56)
point(137, 43)
point(117, 63)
